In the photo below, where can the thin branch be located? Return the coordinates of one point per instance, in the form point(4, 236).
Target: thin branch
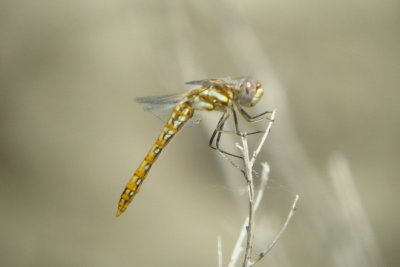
point(250, 190)
point(267, 131)
point(249, 163)
point(247, 229)
point(277, 237)
point(248, 226)
point(238, 245)
point(219, 247)
point(360, 237)
point(263, 184)
point(237, 250)
point(231, 161)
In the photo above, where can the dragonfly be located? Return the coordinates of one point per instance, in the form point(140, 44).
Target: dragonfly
point(226, 95)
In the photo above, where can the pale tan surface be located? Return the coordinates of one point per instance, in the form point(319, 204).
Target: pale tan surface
point(71, 135)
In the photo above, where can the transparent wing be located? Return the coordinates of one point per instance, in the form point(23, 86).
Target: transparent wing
point(213, 82)
point(162, 106)
point(160, 100)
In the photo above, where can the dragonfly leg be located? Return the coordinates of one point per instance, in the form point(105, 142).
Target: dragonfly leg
point(234, 132)
point(219, 149)
point(237, 131)
point(218, 133)
point(254, 118)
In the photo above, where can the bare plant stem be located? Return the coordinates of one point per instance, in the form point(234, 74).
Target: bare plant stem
point(250, 191)
point(219, 245)
point(366, 252)
point(285, 225)
point(238, 246)
point(248, 164)
point(248, 227)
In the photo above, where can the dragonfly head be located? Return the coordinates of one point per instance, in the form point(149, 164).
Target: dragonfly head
point(250, 92)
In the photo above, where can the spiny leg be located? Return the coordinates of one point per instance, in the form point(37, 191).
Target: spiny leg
point(222, 120)
point(238, 132)
point(217, 133)
point(235, 119)
point(234, 132)
point(217, 142)
point(254, 118)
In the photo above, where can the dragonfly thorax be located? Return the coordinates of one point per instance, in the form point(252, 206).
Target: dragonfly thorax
point(213, 98)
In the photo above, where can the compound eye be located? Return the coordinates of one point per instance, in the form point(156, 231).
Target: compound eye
point(248, 91)
point(250, 87)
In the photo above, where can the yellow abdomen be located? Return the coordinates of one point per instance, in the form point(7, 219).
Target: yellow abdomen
point(180, 114)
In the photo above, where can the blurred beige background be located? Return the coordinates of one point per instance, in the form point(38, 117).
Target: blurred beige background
point(71, 134)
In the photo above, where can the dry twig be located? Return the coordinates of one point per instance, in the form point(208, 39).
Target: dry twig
point(219, 246)
point(247, 230)
point(361, 245)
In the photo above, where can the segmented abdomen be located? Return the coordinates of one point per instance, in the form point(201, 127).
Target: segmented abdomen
point(180, 114)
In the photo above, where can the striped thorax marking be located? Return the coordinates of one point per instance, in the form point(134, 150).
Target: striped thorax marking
point(213, 98)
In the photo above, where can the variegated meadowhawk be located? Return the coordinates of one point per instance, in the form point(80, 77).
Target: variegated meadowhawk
point(222, 94)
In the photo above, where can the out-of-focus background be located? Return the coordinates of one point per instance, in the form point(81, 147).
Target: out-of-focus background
point(71, 134)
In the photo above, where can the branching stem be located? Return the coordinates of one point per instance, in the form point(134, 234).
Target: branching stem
point(254, 201)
